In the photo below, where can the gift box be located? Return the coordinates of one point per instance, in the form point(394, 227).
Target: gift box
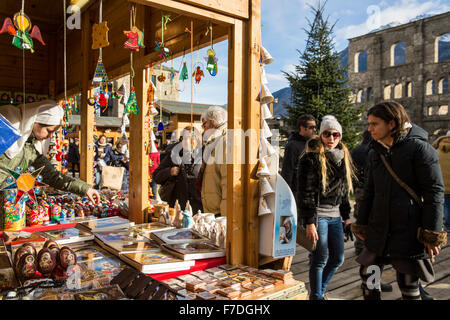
point(12, 217)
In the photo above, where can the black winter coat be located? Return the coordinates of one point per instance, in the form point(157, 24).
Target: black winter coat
point(185, 187)
point(391, 215)
point(292, 152)
point(309, 181)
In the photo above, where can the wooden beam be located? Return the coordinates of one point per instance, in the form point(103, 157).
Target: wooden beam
point(236, 8)
point(187, 10)
point(139, 139)
point(235, 187)
point(252, 115)
point(87, 111)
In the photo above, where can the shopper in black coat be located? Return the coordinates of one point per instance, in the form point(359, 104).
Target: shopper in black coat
point(183, 169)
point(306, 125)
point(395, 228)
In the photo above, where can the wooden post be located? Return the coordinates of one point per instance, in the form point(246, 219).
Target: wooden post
point(252, 115)
point(87, 111)
point(139, 139)
point(235, 187)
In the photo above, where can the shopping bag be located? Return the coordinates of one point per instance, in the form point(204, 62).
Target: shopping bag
point(112, 177)
point(9, 134)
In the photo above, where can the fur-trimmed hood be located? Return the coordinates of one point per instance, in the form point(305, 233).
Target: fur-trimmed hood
point(312, 145)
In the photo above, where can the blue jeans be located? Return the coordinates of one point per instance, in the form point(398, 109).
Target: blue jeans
point(447, 212)
point(328, 256)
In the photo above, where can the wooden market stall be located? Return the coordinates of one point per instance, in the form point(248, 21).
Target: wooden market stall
point(237, 21)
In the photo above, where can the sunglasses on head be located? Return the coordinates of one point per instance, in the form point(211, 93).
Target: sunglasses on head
point(328, 134)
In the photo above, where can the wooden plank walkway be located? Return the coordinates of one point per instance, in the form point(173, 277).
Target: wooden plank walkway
point(345, 285)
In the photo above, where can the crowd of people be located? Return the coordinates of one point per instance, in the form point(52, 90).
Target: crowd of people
point(397, 178)
point(400, 183)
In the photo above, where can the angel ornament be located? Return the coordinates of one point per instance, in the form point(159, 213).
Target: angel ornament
point(135, 39)
point(211, 61)
point(198, 74)
point(20, 30)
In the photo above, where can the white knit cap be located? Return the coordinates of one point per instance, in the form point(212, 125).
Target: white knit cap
point(330, 122)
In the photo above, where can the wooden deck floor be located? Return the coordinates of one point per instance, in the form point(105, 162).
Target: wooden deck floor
point(345, 285)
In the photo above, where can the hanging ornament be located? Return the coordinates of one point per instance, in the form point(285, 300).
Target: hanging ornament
point(22, 25)
point(211, 60)
point(161, 77)
point(164, 52)
point(132, 105)
point(24, 183)
point(184, 72)
point(172, 75)
point(135, 39)
point(100, 76)
point(198, 74)
point(160, 126)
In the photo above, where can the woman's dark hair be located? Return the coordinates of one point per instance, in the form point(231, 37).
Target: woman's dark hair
point(391, 111)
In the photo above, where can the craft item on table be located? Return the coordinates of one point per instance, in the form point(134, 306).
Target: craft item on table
point(184, 72)
point(177, 236)
point(12, 217)
point(178, 215)
point(67, 257)
point(211, 62)
point(26, 248)
point(55, 214)
point(198, 74)
point(194, 250)
point(187, 221)
point(20, 30)
point(46, 262)
point(26, 266)
point(73, 281)
point(188, 208)
point(32, 214)
point(132, 105)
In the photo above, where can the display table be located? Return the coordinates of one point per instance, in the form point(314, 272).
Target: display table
point(44, 228)
point(199, 265)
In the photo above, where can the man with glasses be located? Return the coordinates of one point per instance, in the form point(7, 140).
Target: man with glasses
point(306, 125)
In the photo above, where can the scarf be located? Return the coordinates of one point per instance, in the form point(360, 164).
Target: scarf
point(336, 155)
point(23, 118)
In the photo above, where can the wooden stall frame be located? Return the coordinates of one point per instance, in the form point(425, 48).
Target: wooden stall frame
point(242, 28)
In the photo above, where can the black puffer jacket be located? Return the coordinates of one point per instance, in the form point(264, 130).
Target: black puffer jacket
point(292, 152)
point(309, 181)
point(388, 216)
point(185, 187)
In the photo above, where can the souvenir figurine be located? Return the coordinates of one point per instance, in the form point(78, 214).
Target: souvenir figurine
point(26, 267)
point(22, 25)
point(198, 74)
point(50, 243)
point(67, 257)
point(135, 39)
point(54, 250)
point(187, 221)
point(26, 248)
point(45, 262)
point(164, 52)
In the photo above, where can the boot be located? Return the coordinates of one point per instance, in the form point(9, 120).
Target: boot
point(423, 294)
point(386, 287)
point(370, 294)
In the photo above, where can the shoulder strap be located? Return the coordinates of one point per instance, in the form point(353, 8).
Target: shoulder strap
point(400, 181)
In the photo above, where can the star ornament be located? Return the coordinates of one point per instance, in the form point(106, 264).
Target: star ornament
point(26, 181)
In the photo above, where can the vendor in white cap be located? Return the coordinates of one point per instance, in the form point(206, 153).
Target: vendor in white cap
point(36, 122)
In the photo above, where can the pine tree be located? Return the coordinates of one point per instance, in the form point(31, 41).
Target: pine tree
point(319, 86)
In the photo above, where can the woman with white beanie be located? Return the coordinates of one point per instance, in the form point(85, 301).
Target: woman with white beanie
point(325, 175)
point(36, 123)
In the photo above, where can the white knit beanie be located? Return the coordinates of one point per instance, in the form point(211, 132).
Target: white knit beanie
point(330, 122)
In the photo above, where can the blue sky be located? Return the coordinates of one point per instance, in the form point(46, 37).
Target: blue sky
point(282, 34)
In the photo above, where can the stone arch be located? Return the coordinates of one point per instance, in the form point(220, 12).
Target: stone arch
point(443, 85)
point(361, 61)
point(442, 48)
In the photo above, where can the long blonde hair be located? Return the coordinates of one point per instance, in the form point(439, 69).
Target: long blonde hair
point(349, 167)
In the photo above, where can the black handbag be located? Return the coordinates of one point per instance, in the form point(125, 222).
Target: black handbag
point(166, 190)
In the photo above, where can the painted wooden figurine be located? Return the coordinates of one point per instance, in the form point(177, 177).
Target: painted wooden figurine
point(135, 39)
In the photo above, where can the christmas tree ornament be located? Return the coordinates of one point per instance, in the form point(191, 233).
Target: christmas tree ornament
point(20, 30)
point(24, 182)
point(100, 76)
point(135, 39)
point(184, 72)
point(132, 105)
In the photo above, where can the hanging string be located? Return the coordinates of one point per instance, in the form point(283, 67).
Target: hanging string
point(132, 21)
point(165, 18)
point(100, 20)
point(23, 72)
point(65, 53)
point(192, 78)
